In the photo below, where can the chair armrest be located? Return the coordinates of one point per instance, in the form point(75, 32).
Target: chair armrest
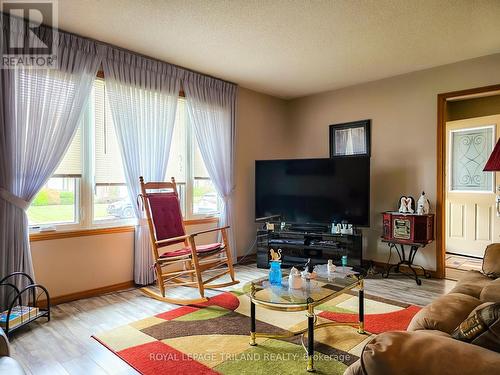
point(491, 292)
point(186, 236)
point(173, 239)
point(4, 344)
point(491, 261)
point(208, 231)
point(421, 352)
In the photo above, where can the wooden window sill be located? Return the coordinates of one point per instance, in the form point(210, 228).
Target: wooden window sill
point(55, 235)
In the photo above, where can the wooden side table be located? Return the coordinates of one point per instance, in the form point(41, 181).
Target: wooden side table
point(407, 261)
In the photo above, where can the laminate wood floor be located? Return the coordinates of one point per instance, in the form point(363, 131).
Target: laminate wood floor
point(458, 265)
point(64, 345)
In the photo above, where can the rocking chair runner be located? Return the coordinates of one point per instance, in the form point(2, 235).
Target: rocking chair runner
point(166, 228)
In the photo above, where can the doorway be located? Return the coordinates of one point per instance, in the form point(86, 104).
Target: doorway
point(467, 221)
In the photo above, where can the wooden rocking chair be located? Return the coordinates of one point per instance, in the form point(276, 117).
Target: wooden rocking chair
point(166, 228)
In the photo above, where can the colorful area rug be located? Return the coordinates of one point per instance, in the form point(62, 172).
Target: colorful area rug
point(213, 337)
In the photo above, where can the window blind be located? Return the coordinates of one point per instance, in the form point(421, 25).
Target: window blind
point(107, 157)
point(71, 165)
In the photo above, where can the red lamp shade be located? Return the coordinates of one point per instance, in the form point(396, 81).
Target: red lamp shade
point(493, 163)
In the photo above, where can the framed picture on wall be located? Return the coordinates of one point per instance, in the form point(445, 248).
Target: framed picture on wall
point(350, 139)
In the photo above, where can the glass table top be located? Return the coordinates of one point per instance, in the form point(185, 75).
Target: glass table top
point(312, 291)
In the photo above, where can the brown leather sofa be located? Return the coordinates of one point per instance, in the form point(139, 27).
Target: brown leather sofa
point(8, 365)
point(427, 347)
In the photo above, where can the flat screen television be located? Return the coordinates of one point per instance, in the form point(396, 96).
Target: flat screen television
point(314, 191)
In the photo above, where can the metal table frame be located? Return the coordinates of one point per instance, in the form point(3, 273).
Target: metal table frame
point(311, 319)
point(404, 261)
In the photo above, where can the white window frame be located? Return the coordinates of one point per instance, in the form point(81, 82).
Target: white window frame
point(84, 185)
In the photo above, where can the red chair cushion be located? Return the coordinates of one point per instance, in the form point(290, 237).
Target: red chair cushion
point(167, 216)
point(201, 249)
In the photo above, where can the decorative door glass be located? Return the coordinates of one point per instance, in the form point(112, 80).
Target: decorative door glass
point(470, 149)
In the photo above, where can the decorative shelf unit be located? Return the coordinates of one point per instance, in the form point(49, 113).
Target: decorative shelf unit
point(23, 305)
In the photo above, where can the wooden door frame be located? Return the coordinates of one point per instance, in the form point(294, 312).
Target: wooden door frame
point(441, 168)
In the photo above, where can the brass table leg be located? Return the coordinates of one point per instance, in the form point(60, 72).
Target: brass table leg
point(310, 337)
point(252, 324)
point(310, 325)
point(361, 295)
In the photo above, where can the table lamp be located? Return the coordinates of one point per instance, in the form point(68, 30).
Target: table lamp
point(493, 165)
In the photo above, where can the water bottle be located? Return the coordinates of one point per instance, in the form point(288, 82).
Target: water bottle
point(275, 275)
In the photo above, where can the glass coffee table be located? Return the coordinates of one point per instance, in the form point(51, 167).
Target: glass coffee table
point(313, 292)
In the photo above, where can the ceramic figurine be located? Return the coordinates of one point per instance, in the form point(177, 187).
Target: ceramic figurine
point(423, 205)
point(330, 266)
point(402, 205)
point(275, 255)
point(411, 204)
point(294, 279)
point(406, 205)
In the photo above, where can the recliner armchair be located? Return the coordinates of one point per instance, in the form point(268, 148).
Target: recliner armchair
point(427, 346)
point(8, 365)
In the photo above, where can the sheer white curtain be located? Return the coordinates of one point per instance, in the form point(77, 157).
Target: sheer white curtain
point(143, 98)
point(39, 114)
point(211, 106)
point(351, 141)
point(358, 139)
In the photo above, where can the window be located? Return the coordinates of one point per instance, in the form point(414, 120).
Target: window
point(89, 189)
point(205, 199)
point(111, 200)
point(58, 201)
point(197, 192)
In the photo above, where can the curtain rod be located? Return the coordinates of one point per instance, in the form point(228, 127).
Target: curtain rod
point(126, 50)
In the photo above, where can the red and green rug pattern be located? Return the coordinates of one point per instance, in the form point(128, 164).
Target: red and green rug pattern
point(213, 337)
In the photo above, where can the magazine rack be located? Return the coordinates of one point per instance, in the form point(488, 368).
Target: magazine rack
point(23, 305)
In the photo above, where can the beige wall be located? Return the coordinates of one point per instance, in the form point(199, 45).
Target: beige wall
point(77, 264)
point(403, 112)
point(72, 265)
point(261, 133)
point(477, 107)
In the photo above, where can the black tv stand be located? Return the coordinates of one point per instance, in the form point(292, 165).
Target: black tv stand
point(299, 245)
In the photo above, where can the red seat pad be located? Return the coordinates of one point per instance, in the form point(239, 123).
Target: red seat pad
point(201, 249)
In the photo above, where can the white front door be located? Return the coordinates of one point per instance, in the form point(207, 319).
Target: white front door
point(471, 219)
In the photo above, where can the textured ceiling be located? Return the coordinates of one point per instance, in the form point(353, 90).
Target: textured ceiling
point(292, 48)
